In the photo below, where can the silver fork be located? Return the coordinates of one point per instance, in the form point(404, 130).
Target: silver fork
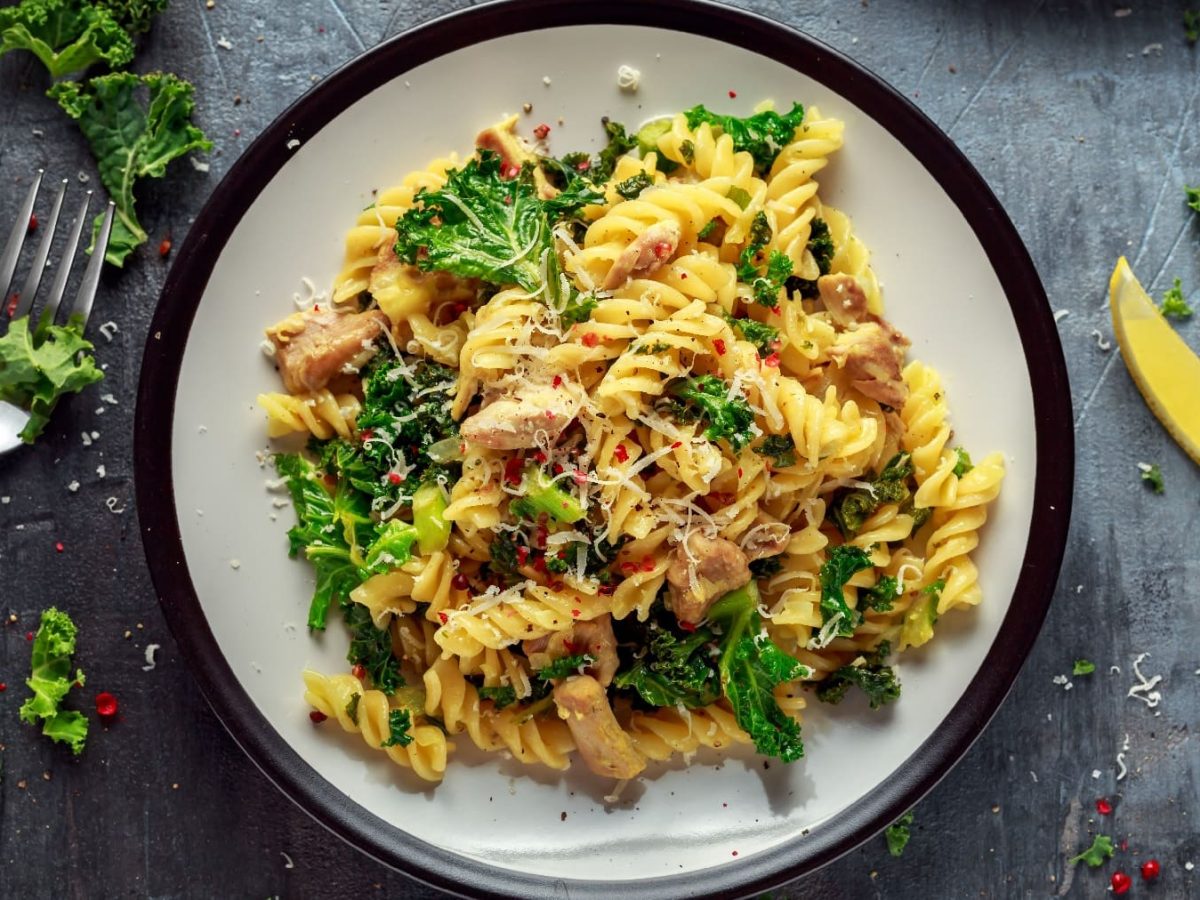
point(13, 418)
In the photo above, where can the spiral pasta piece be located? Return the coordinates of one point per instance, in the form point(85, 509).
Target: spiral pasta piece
point(320, 413)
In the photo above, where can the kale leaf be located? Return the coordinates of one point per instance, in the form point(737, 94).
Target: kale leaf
point(371, 648)
point(1095, 855)
point(1174, 305)
point(843, 561)
point(820, 245)
point(131, 141)
point(764, 337)
point(963, 465)
point(873, 678)
point(619, 143)
point(880, 597)
point(707, 398)
point(399, 724)
point(766, 567)
point(501, 697)
point(1153, 476)
point(852, 509)
point(898, 833)
point(764, 285)
point(36, 370)
point(66, 35)
point(762, 135)
point(676, 668)
point(781, 448)
point(633, 186)
point(50, 679)
point(564, 666)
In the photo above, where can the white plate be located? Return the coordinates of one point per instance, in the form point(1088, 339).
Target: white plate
point(956, 278)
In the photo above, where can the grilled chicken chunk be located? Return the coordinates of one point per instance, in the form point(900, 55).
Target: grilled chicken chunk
point(595, 638)
point(702, 570)
point(648, 253)
point(604, 746)
point(313, 347)
point(513, 423)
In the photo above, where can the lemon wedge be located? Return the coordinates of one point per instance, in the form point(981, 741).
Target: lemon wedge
point(1163, 367)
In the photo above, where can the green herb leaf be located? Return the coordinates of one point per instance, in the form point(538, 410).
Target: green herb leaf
point(880, 597)
point(1095, 855)
point(739, 196)
point(820, 245)
point(764, 337)
point(852, 508)
point(352, 708)
point(766, 567)
point(633, 186)
point(676, 668)
point(964, 464)
point(50, 680)
point(619, 143)
point(762, 135)
point(1153, 476)
point(1191, 25)
point(873, 677)
point(501, 697)
point(66, 35)
point(843, 561)
point(707, 398)
point(1083, 667)
point(564, 666)
point(1173, 303)
point(898, 833)
point(131, 141)
point(1193, 197)
point(399, 724)
point(35, 373)
point(781, 448)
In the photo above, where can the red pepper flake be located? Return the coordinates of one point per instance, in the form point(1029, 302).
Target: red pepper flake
point(540, 536)
point(508, 201)
point(367, 434)
point(734, 852)
point(394, 478)
point(358, 671)
point(29, 635)
point(522, 555)
point(317, 717)
point(512, 470)
point(539, 456)
point(1103, 806)
point(776, 310)
point(733, 95)
point(106, 705)
point(443, 617)
point(558, 468)
point(58, 546)
point(556, 585)
point(557, 381)
point(33, 223)
point(648, 564)
point(621, 453)
point(687, 626)
point(459, 582)
point(677, 445)
point(164, 247)
point(575, 614)
point(628, 567)
point(583, 165)
point(12, 303)
point(739, 471)
point(237, 132)
point(1151, 870)
point(683, 276)
point(320, 29)
point(719, 346)
point(3, 687)
point(1120, 882)
point(541, 131)
point(509, 170)
point(772, 361)
point(607, 590)
point(591, 339)
point(663, 250)
point(539, 563)
point(580, 476)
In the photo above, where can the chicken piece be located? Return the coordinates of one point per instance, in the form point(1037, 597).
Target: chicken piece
point(595, 638)
point(514, 422)
point(646, 254)
point(604, 746)
point(502, 139)
point(844, 299)
point(312, 347)
point(766, 537)
point(872, 356)
point(719, 567)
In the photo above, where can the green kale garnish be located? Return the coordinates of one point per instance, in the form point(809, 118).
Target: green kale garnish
point(1095, 855)
point(675, 668)
point(540, 493)
point(762, 135)
point(764, 285)
point(619, 143)
point(843, 561)
point(501, 697)
point(38, 369)
point(781, 448)
point(820, 245)
point(688, 151)
point(578, 309)
point(1173, 303)
point(880, 597)
point(352, 708)
point(738, 195)
point(1191, 25)
point(704, 233)
point(764, 337)
point(1083, 667)
point(873, 677)
point(130, 141)
point(852, 509)
point(1153, 476)
point(963, 465)
point(1192, 195)
point(67, 35)
point(656, 347)
point(371, 648)
point(503, 551)
point(707, 398)
point(633, 186)
point(50, 679)
point(897, 834)
point(399, 723)
point(934, 592)
point(564, 666)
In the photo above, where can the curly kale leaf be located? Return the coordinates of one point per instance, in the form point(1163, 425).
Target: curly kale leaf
point(880, 597)
point(765, 285)
point(371, 648)
point(853, 508)
point(619, 144)
point(399, 724)
point(764, 337)
point(843, 561)
point(898, 833)
point(762, 135)
point(677, 668)
point(706, 398)
point(50, 679)
point(131, 141)
point(820, 245)
point(872, 677)
point(750, 666)
point(501, 697)
point(66, 35)
point(564, 666)
point(38, 369)
point(781, 448)
point(1174, 304)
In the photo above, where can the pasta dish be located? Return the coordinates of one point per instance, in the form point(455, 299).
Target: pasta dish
point(615, 454)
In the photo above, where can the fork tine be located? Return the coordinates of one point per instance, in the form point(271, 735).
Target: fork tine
point(82, 307)
point(16, 237)
point(34, 278)
point(64, 269)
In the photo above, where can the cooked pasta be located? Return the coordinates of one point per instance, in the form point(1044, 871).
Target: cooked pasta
point(615, 457)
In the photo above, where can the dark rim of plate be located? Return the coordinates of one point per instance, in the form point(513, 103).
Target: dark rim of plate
point(255, 169)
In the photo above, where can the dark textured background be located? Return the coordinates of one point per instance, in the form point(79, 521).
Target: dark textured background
point(1081, 116)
